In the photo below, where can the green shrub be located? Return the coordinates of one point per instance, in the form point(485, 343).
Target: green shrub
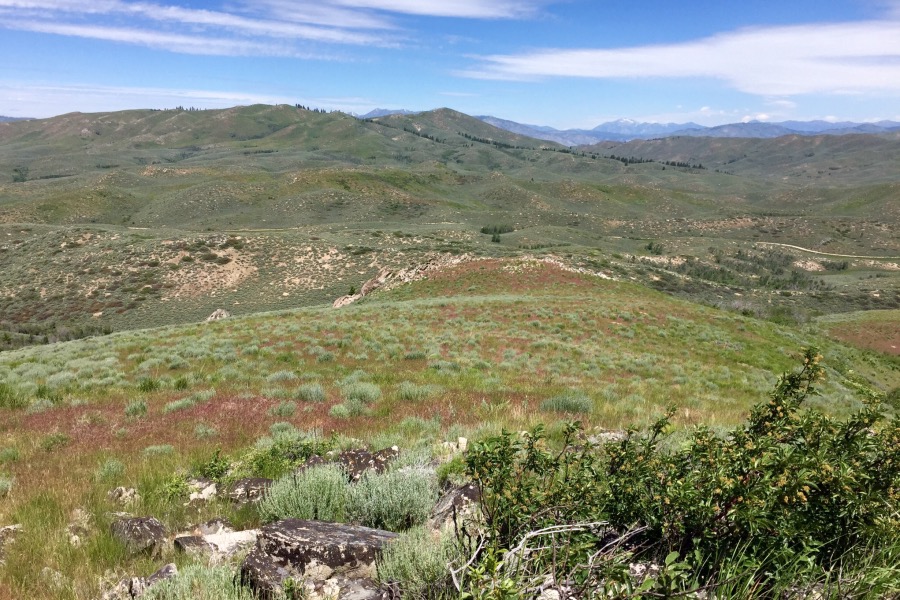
point(361, 391)
point(395, 500)
point(279, 376)
point(311, 392)
point(10, 397)
point(276, 455)
point(203, 431)
point(285, 408)
point(8, 454)
point(417, 562)
point(176, 405)
point(319, 493)
point(136, 408)
point(52, 441)
point(408, 390)
point(215, 468)
point(339, 411)
point(6, 484)
point(158, 450)
point(569, 402)
point(109, 470)
point(790, 487)
point(197, 582)
point(148, 384)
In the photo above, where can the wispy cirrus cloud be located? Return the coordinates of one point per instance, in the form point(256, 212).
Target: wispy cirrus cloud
point(263, 27)
point(836, 58)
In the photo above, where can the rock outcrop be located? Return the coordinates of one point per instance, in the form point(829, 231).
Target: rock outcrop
point(454, 507)
point(7, 535)
point(313, 551)
point(357, 462)
point(218, 315)
point(140, 534)
point(249, 489)
point(134, 587)
point(387, 278)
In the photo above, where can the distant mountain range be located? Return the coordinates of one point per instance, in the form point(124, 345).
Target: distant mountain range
point(623, 130)
point(10, 119)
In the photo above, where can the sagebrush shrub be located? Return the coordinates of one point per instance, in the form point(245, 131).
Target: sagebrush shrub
point(198, 582)
point(311, 392)
point(417, 562)
point(569, 402)
point(395, 500)
point(319, 493)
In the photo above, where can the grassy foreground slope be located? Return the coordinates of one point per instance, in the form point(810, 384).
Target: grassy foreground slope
point(484, 345)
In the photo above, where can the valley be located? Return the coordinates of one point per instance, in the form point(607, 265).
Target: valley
point(602, 284)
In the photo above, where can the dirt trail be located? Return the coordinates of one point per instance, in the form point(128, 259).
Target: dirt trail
point(829, 253)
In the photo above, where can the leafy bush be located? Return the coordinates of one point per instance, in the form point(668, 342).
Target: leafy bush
point(395, 500)
point(792, 489)
point(318, 493)
point(416, 562)
point(569, 402)
point(276, 455)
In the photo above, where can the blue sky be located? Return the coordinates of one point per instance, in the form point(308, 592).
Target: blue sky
point(563, 63)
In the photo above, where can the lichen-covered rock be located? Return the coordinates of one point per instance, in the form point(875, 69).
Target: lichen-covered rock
point(202, 490)
point(134, 587)
point(140, 534)
point(216, 547)
point(313, 461)
point(456, 505)
point(249, 489)
point(124, 496)
point(7, 535)
point(311, 550)
point(357, 462)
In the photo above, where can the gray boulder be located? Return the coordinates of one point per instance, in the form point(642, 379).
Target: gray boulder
point(454, 506)
point(249, 489)
point(312, 551)
point(357, 462)
point(140, 534)
point(134, 587)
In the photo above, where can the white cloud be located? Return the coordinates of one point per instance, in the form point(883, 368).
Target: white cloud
point(473, 9)
point(263, 27)
point(775, 61)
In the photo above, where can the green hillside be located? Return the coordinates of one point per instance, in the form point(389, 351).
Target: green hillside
point(141, 218)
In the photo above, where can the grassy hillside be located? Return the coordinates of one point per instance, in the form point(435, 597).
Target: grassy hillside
point(480, 346)
point(142, 218)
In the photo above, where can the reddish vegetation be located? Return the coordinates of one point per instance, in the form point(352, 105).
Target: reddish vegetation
point(881, 336)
